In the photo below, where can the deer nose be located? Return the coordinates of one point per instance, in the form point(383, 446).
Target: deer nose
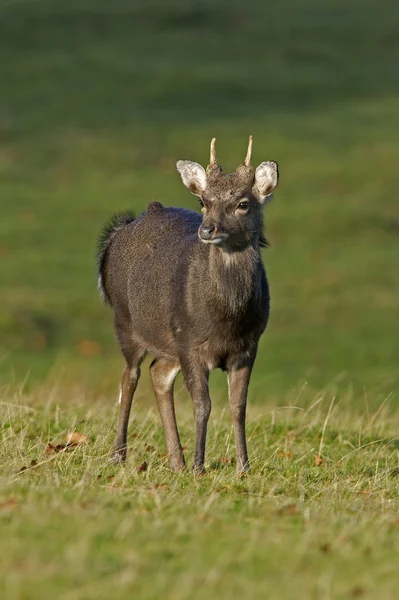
point(206, 233)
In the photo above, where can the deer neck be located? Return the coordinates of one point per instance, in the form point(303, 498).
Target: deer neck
point(234, 278)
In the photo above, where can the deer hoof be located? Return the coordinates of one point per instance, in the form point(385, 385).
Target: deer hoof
point(242, 472)
point(198, 470)
point(177, 466)
point(118, 457)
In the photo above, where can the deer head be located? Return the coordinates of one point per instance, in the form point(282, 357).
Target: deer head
point(231, 203)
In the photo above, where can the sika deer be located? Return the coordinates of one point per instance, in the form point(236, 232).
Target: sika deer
point(191, 290)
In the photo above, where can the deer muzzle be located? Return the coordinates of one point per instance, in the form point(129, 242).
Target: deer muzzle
point(209, 234)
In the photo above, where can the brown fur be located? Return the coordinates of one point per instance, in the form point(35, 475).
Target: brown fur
point(194, 306)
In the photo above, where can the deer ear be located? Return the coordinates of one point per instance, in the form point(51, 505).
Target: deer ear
point(193, 176)
point(266, 180)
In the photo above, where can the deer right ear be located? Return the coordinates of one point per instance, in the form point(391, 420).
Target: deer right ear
point(266, 180)
point(193, 176)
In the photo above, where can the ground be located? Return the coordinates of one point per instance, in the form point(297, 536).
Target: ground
point(316, 518)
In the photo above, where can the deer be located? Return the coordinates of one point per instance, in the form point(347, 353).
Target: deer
point(190, 289)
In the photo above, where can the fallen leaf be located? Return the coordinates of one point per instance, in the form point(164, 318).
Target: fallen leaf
point(8, 504)
point(64, 447)
point(113, 488)
point(107, 478)
point(285, 454)
point(51, 448)
point(318, 460)
point(224, 460)
point(358, 591)
point(89, 348)
point(142, 467)
point(288, 510)
point(76, 438)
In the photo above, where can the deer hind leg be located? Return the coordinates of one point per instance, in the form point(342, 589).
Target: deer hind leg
point(163, 374)
point(133, 355)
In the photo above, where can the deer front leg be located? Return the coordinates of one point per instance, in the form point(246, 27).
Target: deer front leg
point(238, 380)
point(196, 380)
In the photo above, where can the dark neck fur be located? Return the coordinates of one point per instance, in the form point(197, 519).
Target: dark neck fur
point(234, 278)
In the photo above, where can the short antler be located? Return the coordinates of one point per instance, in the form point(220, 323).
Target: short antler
point(247, 161)
point(212, 160)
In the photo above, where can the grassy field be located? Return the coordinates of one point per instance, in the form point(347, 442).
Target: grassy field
point(97, 102)
point(317, 518)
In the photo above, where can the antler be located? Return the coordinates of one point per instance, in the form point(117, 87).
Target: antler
point(247, 161)
point(212, 160)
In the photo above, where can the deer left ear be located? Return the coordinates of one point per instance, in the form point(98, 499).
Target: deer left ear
point(266, 180)
point(193, 176)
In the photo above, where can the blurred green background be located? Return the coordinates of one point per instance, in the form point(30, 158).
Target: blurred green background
point(99, 99)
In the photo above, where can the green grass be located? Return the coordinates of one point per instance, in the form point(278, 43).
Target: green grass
point(97, 102)
point(74, 527)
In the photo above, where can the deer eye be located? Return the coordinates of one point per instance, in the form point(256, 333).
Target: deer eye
point(243, 206)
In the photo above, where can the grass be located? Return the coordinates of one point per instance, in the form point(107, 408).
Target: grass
point(319, 512)
point(98, 101)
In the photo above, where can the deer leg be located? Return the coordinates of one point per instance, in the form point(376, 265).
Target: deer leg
point(130, 378)
point(196, 381)
point(163, 374)
point(238, 381)
point(134, 355)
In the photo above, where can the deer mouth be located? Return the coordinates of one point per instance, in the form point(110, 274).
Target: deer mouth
point(217, 240)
